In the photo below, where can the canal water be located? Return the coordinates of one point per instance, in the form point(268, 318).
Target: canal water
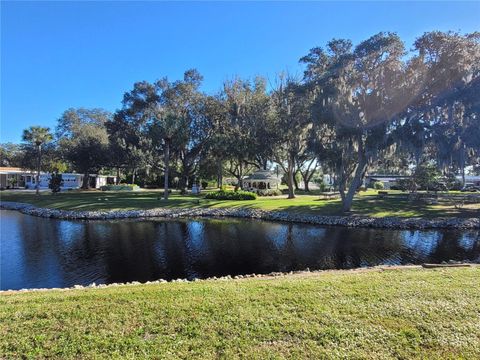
point(38, 252)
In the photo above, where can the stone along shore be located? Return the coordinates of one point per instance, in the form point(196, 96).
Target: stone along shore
point(349, 221)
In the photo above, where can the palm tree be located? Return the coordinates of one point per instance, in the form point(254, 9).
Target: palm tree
point(37, 136)
point(167, 129)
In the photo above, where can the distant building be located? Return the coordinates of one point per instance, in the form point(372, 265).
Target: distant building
point(387, 180)
point(13, 177)
point(328, 179)
point(470, 179)
point(71, 181)
point(260, 180)
point(392, 180)
point(19, 178)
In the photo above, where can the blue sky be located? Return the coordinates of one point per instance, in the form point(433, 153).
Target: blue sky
point(56, 55)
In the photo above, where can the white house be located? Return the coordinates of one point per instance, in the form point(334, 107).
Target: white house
point(470, 179)
point(13, 177)
point(70, 181)
point(387, 180)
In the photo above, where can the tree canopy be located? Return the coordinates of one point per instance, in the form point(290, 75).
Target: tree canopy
point(359, 108)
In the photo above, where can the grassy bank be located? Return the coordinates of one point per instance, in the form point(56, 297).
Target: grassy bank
point(407, 313)
point(366, 204)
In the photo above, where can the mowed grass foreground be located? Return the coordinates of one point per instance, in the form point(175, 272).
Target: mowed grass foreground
point(365, 203)
point(398, 313)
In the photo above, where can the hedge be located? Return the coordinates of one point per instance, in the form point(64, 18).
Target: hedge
point(269, 192)
point(121, 187)
point(231, 195)
point(378, 185)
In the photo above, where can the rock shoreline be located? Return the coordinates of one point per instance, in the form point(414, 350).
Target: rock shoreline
point(329, 220)
point(271, 275)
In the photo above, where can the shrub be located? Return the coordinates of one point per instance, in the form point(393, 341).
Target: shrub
point(322, 186)
point(208, 184)
point(121, 187)
point(452, 182)
point(406, 185)
point(457, 185)
point(231, 195)
point(13, 182)
point(426, 176)
point(378, 185)
point(269, 192)
point(438, 186)
point(56, 182)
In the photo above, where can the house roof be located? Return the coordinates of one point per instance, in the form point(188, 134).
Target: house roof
point(383, 178)
point(262, 175)
point(469, 177)
point(13, 170)
point(388, 176)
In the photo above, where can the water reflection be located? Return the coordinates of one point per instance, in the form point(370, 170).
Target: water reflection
point(37, 252)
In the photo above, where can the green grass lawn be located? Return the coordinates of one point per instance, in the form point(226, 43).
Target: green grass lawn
point(366, 203)
point(407, 313)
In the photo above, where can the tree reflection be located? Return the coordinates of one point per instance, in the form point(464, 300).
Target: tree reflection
point(38, 252)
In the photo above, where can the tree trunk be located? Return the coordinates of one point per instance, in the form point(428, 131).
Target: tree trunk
point(239, 176)
point(306, 180)
point(291, 177)
point(219, 175)
point(167, 168)
point(187, 170)
point(307, 174)
point(117, 180)
point(39, 161)
point(462, 164)
point(357, 180)
point(134, 172)
point(239, 183)
point(341, 182)
point(184, 183)
point(307, 177)
point(86, 181)
point(295, 182)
